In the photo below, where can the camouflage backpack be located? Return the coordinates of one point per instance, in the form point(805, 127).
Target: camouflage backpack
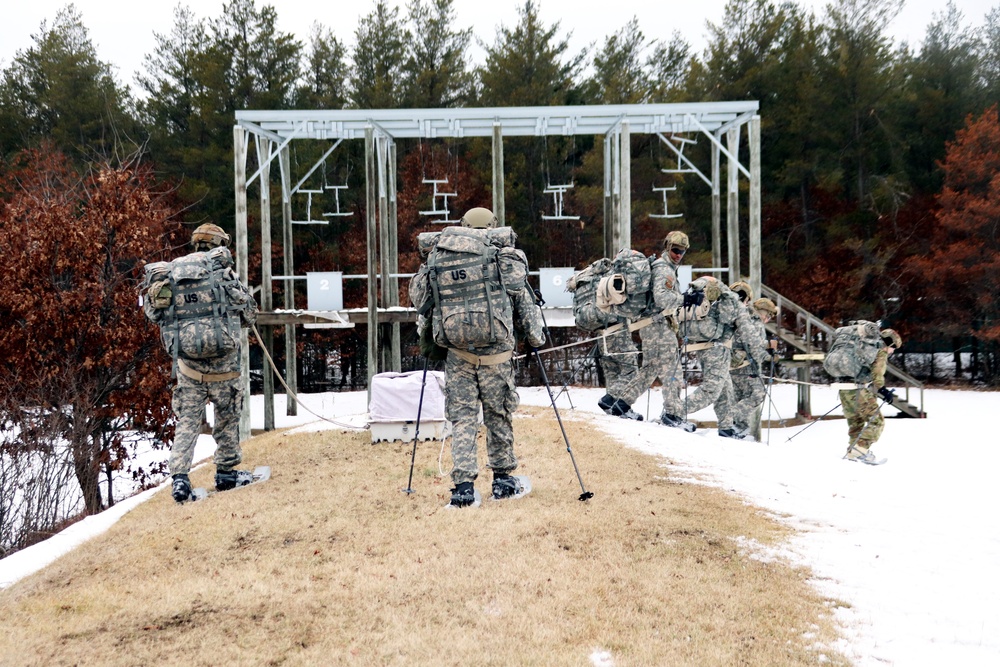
point(708, 320)
point(634, 267)
point(196, 300)
point(463, 287)
point(852, 351)
point(610, 290)
point(584, 285)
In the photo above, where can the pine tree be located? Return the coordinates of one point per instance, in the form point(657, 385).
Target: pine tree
point(58, 90)
point(378, 59)
point(436, 72)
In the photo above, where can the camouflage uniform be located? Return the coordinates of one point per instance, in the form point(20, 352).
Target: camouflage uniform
point(190, 395)
point(618, 357)
point(860, 405)
point(660, 355)
point(468, 385)
point(189, 399)
point(735, 406)
point(724, 318)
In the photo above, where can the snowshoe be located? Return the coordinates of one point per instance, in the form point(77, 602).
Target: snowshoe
point(868, 457)
point(676, 422)
point(735, 435)
point(510, 486)
point(622, 409)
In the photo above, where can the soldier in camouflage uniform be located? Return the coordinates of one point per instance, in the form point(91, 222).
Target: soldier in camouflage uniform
point(660, 354)
point(618, 357)
point(485, 377)
point(199, 381)
point(710, 337)
point(735, 407)
point(861, 407)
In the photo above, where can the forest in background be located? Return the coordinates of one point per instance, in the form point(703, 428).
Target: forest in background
point(880, 165)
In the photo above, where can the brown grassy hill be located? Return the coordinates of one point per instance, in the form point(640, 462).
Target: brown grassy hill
point(329, 563)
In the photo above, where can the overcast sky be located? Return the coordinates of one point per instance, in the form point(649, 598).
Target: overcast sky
point(123, 31)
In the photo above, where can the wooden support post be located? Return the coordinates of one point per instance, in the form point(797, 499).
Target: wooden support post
point(716, 207)
point(610, 183)
point(266, 282)
point(371, 202)
point(385, 282)
point(499, 201)
point(396, 353)
point(625, 214)
point(754, 232)
point(240, 187)
point(291, 353)
point(733, 206)
point(754, 213)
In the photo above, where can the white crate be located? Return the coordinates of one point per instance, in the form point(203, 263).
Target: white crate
point(433, 429)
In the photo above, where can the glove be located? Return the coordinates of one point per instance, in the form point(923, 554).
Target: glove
point(693, 299)
point(771, 351)
point(538, 297)
point(888, 394)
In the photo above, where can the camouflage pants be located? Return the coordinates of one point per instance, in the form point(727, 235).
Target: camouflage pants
point(864, 421)
point(618, 354)
point(714, 377)
point(660, 359)
point(734, 408)
point(466, 387)
point(189, 399)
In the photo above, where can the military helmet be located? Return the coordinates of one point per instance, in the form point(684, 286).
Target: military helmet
point(210, 234)
point(676, 238)
point(766, 305)
point(891, 338)
point(480, 218)
point(743, 290)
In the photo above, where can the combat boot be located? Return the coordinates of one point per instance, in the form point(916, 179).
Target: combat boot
point(181, 489)
point(463, 495)
point(505, 486)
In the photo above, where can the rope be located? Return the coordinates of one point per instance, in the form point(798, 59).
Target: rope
point(267, 355)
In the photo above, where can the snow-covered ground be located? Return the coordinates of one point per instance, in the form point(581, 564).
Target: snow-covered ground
point(912, 546)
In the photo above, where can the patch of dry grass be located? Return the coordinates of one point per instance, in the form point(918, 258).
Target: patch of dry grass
point(329, 563)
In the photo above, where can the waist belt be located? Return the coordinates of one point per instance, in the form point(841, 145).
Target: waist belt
point(482, 360)
point(694, 347)
point(205, 377)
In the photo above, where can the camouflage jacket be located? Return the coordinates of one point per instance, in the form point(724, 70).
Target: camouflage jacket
point(749, 346)
point(666, 292)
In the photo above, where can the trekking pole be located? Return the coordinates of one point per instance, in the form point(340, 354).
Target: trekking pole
point(416, 431)
point(815, 420)
point(586, 495)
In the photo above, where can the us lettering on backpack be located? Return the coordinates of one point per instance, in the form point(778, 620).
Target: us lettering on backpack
point(465, 288)
point(197, 302)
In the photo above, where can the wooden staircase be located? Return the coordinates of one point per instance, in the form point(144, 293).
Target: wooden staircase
point(807, 339)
